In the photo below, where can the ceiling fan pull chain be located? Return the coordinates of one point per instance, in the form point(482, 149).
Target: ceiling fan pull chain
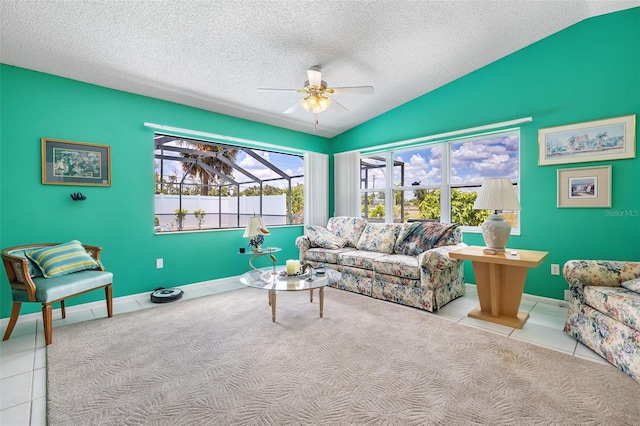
point(315, 125)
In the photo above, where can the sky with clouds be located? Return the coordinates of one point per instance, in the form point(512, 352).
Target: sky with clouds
point(471, 162)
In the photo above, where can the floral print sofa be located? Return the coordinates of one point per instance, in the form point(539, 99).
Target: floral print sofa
point(403, 263)
point(604, 310)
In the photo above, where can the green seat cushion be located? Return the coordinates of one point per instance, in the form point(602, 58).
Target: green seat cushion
point(62, 259)
point(63, 286)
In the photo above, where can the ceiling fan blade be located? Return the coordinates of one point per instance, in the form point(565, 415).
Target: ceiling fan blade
point(352, 90)
point(293, 107)
point(264, 89)
point(336, 104)
point(315, 76)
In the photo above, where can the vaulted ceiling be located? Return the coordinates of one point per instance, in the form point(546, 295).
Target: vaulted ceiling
point(215, 54)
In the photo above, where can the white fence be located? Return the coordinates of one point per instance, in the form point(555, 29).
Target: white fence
point(274, 210)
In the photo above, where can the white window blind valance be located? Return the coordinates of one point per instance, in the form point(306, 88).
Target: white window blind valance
point(316, 189)
point(347, 184)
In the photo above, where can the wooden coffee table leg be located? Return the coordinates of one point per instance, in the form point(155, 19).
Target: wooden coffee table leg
point(321, 300)
point(273, 305)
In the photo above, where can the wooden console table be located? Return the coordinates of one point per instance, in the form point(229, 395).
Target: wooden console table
point(500, 281)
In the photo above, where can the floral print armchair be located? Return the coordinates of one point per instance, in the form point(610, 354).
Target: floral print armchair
point(604, 310)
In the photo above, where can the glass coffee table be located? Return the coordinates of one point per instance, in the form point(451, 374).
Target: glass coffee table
point(265, 279)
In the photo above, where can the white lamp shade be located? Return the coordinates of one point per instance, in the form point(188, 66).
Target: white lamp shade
point(497, 194)
point(255, 226)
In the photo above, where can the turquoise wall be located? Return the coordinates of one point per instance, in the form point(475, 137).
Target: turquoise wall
point(586, 72)
point(118, 218)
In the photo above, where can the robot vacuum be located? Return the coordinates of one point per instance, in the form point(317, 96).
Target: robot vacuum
point(164, 295)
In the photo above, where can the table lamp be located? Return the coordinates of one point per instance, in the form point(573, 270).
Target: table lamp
point(256, 231)
point(496, 194)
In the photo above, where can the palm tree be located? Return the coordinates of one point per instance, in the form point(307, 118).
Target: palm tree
point(196, 171)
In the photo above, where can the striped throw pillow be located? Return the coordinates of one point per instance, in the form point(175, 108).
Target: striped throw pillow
point(62, 259)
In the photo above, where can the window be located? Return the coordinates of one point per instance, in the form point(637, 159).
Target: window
point(210, 185)
point(373, 171)
point(439, 181)
point(472, 160)
point(417, 179)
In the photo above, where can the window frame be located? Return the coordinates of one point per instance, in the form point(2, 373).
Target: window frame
point(445, 186)
point(233, 186)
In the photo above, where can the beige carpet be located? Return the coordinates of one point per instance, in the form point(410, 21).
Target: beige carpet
point(219, 360)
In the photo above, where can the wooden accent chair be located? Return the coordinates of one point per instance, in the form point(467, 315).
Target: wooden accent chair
point(28, 284)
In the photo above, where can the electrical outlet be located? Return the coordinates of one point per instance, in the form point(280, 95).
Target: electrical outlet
point(159, 263)
point(567, 294)
point(555, 269)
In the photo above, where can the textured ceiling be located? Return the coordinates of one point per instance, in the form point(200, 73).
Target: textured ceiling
point(215, 54)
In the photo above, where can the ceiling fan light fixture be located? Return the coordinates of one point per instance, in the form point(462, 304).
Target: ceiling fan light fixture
point(316, 103)
point(316, 91)
point(323, 103)
point(307, 104)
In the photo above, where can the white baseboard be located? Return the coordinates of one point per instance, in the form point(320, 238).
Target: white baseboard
point(219, 281)
point(128, 298)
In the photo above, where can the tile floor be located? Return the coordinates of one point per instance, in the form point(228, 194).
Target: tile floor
point(23, 356)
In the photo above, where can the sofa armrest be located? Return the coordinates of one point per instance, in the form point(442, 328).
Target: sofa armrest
point(438, 257)
point(609, 273)
point(303, 244)
point(438, 270)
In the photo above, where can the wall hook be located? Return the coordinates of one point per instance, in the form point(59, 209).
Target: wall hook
point(78, 196)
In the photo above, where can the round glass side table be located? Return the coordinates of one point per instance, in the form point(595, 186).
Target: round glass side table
point(265, 252)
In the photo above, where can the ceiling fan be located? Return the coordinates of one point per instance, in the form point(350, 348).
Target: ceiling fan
point(317, 93)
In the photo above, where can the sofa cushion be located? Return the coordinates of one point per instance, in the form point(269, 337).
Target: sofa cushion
point(379, 237)
point(633, 285)
point(422, 236)
point(400, 281)
point(322, 237)
point(62, 259)
point(397, 265)
point(354, 283)
point(323, 255)
point(618, 303)
point(349, 228)
point(360, 272)
point(451, 238)
point(359, 259)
